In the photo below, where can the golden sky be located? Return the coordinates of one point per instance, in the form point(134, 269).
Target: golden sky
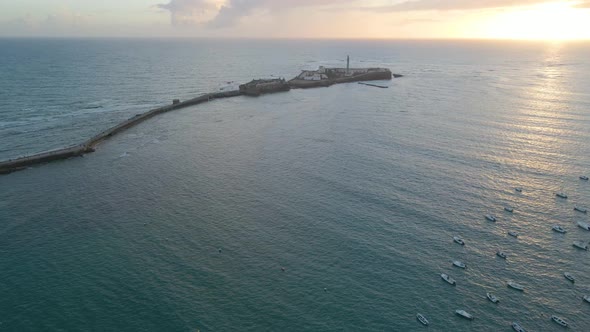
point(408, 19)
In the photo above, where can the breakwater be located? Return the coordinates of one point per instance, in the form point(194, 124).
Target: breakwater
point(88, 146)
point(253, 88)
point(374, 85)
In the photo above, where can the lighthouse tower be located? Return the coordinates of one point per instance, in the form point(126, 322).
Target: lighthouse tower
point(347, 64)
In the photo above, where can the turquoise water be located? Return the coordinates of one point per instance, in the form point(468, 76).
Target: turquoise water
point(185, 221)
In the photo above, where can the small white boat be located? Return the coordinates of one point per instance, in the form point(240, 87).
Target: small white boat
point(422, 319)
point(490, 217)
point(459, 240)
point(464, 314)
point(584, 177)
point(516, 286)
point(587, 298)
point(561, 195)
point(584, 225)
point(516, 327)
point(581, 245)
point(448, 279)
point(509, 209)
point(580, 209)
point(492, 298)
point(512, 233)
point(518, 189)
point(501, 254)
point(569, 277)
point(559, 320)
point(558, 229)
point(459, 264)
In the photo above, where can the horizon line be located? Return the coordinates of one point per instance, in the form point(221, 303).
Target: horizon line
point(484, 39)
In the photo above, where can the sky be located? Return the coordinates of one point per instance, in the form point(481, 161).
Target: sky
point(350, 19)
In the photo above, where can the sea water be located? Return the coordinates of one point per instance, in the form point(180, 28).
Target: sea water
point(326, 209)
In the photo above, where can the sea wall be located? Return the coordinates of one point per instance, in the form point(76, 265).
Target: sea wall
point(44, 157)
point(88, 146)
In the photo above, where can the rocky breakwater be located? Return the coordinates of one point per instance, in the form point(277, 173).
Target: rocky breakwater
point(18, 164)
point(13, 165)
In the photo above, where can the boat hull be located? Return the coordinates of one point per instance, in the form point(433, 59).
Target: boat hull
point(448, 279)
point(516, 287)
point(559, 321)
point(516, 327)
point(464, 314)
point(460, 265)
point(492, 298)
point(422, 319)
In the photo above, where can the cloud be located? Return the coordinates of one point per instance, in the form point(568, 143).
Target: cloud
point(227, 13)
point(447, 5)
point(231, 12)
point(187, 12)
point(216, 14)
point(583, 5)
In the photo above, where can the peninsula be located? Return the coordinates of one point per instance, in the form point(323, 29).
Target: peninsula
point(322, 77)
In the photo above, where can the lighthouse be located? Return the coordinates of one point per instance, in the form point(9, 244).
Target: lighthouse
point(347, 64)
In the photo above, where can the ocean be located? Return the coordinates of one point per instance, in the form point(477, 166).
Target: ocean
point(329, 209)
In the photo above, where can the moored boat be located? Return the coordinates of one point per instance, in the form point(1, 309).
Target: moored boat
point(513, 233)
point(558, 229)
point(580, 209)
point(501, 254)
point(490, 217)
point(584, 225)
point(492, 298)
point(448, 279)
point(459, 264)
point(516, 286)
point(569, 276)
point(518, 189)
point(422, 319)
point(561, 194)
point(581, 245)
point(586, 298)
point(516, 327)
point(559, 320)
point(584, 177)
point(464, 314)
point(459, 240)
point(509, 209)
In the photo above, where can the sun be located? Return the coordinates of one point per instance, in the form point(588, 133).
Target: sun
point(551, 21)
